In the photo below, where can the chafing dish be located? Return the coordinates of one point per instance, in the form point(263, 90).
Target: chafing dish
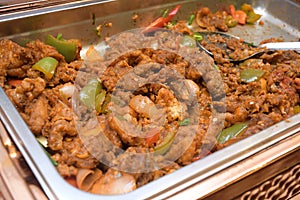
point(228, 173)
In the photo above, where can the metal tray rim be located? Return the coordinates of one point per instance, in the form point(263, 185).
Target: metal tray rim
point(49, 9)
point(52, 182)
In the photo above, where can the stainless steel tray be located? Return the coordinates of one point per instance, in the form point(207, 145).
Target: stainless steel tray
point(78, 20)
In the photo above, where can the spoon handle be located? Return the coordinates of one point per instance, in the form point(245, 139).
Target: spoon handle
point(282, 46)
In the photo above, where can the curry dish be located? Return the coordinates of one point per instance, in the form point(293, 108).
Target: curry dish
point(177, 105)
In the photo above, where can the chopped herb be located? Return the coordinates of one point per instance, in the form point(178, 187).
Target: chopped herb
point(251, 44)
point(250, 75)
point(52, 160)
point(59, 36)
point(192, 17)
point(170, 24)
point(184, 122)
point(165, 13)
point(197, 36)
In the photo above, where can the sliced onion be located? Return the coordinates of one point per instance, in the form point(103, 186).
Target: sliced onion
point(114, 182)
point(187, 41)
point(93, 55)
point(67, 91)
point(42, 140)
point(142, 105)
point(86, 178)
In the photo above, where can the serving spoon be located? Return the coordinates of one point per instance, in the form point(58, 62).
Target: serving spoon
point(257, 50)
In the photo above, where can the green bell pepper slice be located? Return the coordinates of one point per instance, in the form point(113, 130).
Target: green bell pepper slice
point(230, 21)
point(42, 143)
point(99, 101)
point(191, 19)
point(246, 8)
point(252, 17)
point(88, 93)
point(165, 145)
point(250, 75)
point(67, 48)
point(184, 122)
point(231, 132)
point(47, 66)
point(104, 107)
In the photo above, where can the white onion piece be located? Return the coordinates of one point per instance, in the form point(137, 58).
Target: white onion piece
point(93, 55)
point(67, 91)
point(144, 106)
point(141, 104)
point(192, 88)
point(114, 182)
point(86, 178)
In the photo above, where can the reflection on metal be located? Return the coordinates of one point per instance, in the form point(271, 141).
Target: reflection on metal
point(12, 184)
point(282, 186)
point(20, 5)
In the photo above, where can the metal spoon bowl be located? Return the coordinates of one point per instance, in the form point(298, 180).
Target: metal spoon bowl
point(223, 41)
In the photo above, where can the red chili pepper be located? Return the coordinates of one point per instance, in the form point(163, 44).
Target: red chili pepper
point(231, 10)
point(153, 136)
point(241, 16)
point(238, 14)
point(162, 21)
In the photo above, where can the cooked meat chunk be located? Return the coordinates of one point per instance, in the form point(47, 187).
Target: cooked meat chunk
point(211, 21)
point(36, 114)
point(12, 57)
point(38, 50)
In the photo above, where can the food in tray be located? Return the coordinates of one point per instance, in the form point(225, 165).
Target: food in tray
point(145, 101)
point(228, 48)
point(221, 20)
